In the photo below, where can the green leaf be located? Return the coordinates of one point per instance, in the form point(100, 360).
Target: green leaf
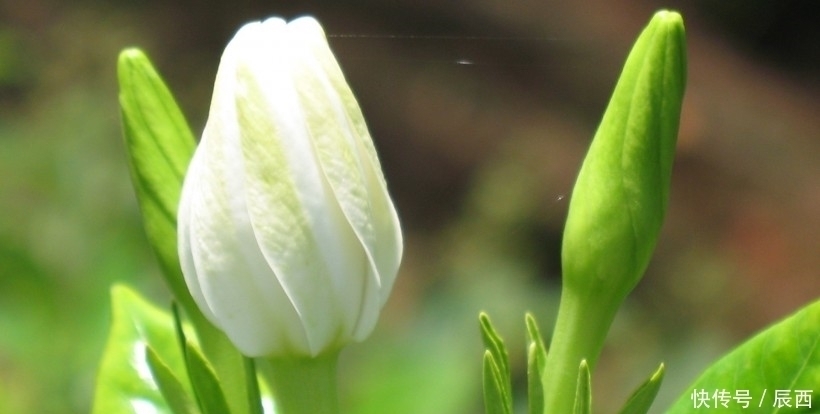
point(206, 386)
point(583, 390)
point(534, 336)
point(494, 343)
point(173, 390)
point(495, 396)
point(226, 361)
point(125, 381)
point(640, 400)
point(160, 145)
point(499, 359)
point(209, 379)
point(535, 391)
point(536, 362)
point(785, 357)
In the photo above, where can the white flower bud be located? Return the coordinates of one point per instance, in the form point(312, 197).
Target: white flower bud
point(288, 239)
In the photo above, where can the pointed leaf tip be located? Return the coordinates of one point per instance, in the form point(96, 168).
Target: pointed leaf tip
point(536, 362)
point(497, 381)
point(642, 398)
point(207, 386)
point(494, 343)
point(178, 398)
point(583, 391)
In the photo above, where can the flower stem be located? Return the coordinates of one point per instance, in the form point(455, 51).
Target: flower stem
point(304, 385)
point(579, 334)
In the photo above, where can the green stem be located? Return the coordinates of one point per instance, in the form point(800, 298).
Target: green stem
point(304, 385)
point(579, 334)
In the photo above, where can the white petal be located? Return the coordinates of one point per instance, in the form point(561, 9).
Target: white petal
point(288, 238)
point(286, 195)
point(364, 198)
point(237, 283)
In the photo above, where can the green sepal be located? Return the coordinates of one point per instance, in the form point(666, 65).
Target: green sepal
point(126, 383)
point(583, 390)
point(642, 398)
point(536, 362)
point(176, 396)
point(785, 356)
point(160, 145)
point(497, 381)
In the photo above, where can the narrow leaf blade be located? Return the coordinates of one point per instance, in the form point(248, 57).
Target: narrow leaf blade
point(206, 386)
point(536, 363)
point(583, 390)
point(160, 146)
point(500, 357)
point(172, 389)
point(495, 400)
point(535, 390)
point(641, 400)
point(534, 335)
point(494, 343)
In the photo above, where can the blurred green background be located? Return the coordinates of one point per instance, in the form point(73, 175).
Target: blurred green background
point(481, 111)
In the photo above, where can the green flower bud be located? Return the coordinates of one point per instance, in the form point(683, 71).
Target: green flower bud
point(288, 238)
point(620, 197)
point(618, 203)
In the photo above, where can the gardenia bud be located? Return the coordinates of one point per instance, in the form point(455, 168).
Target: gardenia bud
point(618, 204)
point(620, 197)
point(288, 238)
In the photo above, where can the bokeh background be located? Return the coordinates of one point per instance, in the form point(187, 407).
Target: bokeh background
point(481, 111)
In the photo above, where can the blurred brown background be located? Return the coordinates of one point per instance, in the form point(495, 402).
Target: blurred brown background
point(481, 111)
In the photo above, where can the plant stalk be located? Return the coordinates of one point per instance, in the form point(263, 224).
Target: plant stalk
point(580, 330)
point(304, 385)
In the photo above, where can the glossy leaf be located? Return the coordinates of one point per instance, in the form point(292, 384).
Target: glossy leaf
point(784, 357)
point(125, 381)
point(641, 400)
point(160, 145)
point(583, 390)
